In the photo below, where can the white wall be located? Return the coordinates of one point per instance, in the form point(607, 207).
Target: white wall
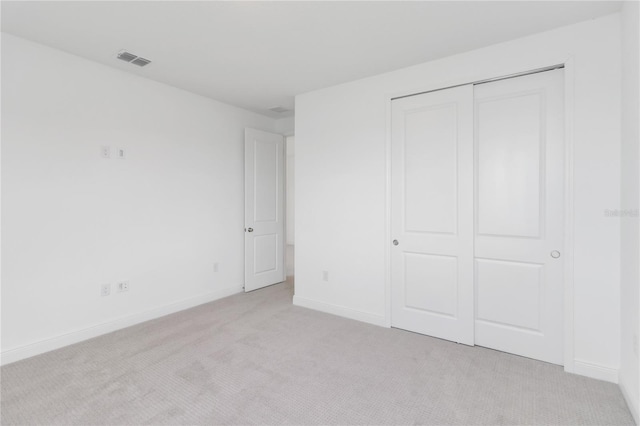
point(285, 126)
point(341, 180)
point(630, 191)
point(160, 218)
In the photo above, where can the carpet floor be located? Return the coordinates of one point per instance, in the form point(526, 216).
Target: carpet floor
point(257, 359)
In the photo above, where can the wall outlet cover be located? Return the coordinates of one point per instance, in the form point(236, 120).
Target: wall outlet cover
point(105, 289)
point(105, 151)
point(123, 286)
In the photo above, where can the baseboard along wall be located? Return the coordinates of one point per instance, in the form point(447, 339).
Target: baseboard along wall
point(580, 367)
point(37, 348)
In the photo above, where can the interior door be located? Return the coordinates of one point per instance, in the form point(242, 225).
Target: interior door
point(264, 209)
point(519, 155)
point(432, 214)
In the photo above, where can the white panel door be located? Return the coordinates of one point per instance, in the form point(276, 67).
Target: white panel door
point(432, 214)
point(264, 209)
point(519, 192)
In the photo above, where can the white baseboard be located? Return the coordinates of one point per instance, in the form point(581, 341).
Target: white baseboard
point(582, 368)
point(632, 401)
point(340, 311)
point(595, 371)
point(16, 354)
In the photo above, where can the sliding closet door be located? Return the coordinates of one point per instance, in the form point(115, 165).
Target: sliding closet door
point(519, 215)
point(432, 214)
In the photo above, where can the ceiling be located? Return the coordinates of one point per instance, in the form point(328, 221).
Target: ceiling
point(257, 55)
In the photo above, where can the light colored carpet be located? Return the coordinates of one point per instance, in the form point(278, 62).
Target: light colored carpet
point(256, 359)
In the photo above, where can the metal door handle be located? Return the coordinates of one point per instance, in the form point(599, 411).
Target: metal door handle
point(395, 242)
point(250, 230)
point(555, 254)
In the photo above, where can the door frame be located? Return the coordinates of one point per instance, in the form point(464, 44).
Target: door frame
point(568, 222)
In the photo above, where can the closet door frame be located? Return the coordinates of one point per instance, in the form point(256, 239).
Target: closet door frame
point(568, 222)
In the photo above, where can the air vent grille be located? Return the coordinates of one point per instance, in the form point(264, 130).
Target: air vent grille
point(126, 56)
point(133, 59)
point(278, 109)
point(141, 62)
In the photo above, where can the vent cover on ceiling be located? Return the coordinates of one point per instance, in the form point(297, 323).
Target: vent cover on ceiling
point(141, 62)
point(278, 109)
point(123, 55)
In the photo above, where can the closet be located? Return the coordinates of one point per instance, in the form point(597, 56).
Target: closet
point(477, 198)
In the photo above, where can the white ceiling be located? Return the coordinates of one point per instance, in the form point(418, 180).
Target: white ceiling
point(257, 55)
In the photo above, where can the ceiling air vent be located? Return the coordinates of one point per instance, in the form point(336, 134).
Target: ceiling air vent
point(126, 56)
point(278, 109)
point(123, 55)
point(141, 62)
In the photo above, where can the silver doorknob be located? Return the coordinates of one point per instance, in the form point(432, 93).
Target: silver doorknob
point(555, 254)
point(250, 230)
point(395, 242)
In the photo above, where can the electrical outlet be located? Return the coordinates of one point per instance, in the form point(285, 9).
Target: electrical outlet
point(325, 275)
point(123, 286)
point(105, 151)
point(105, 289)
point(215, 267)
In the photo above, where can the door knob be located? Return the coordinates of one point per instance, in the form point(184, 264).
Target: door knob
point(555, 254)
point(250, 230)
point(395, 242)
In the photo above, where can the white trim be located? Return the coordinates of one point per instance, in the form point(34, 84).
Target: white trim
point(568, 306)
point(387, 213)
point(342, 311)
point(42, 346)
point(595, 371)
point(632, 401)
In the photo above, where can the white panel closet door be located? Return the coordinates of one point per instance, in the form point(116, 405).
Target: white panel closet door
point(432, 214)
point(264, 209)
point(519, 155)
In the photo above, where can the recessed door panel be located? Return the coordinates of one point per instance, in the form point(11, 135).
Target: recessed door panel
point(431, 283)
point(430, 169)
point(265, 252)
point(267, 165)
point(510, 142)
point(509, 293)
